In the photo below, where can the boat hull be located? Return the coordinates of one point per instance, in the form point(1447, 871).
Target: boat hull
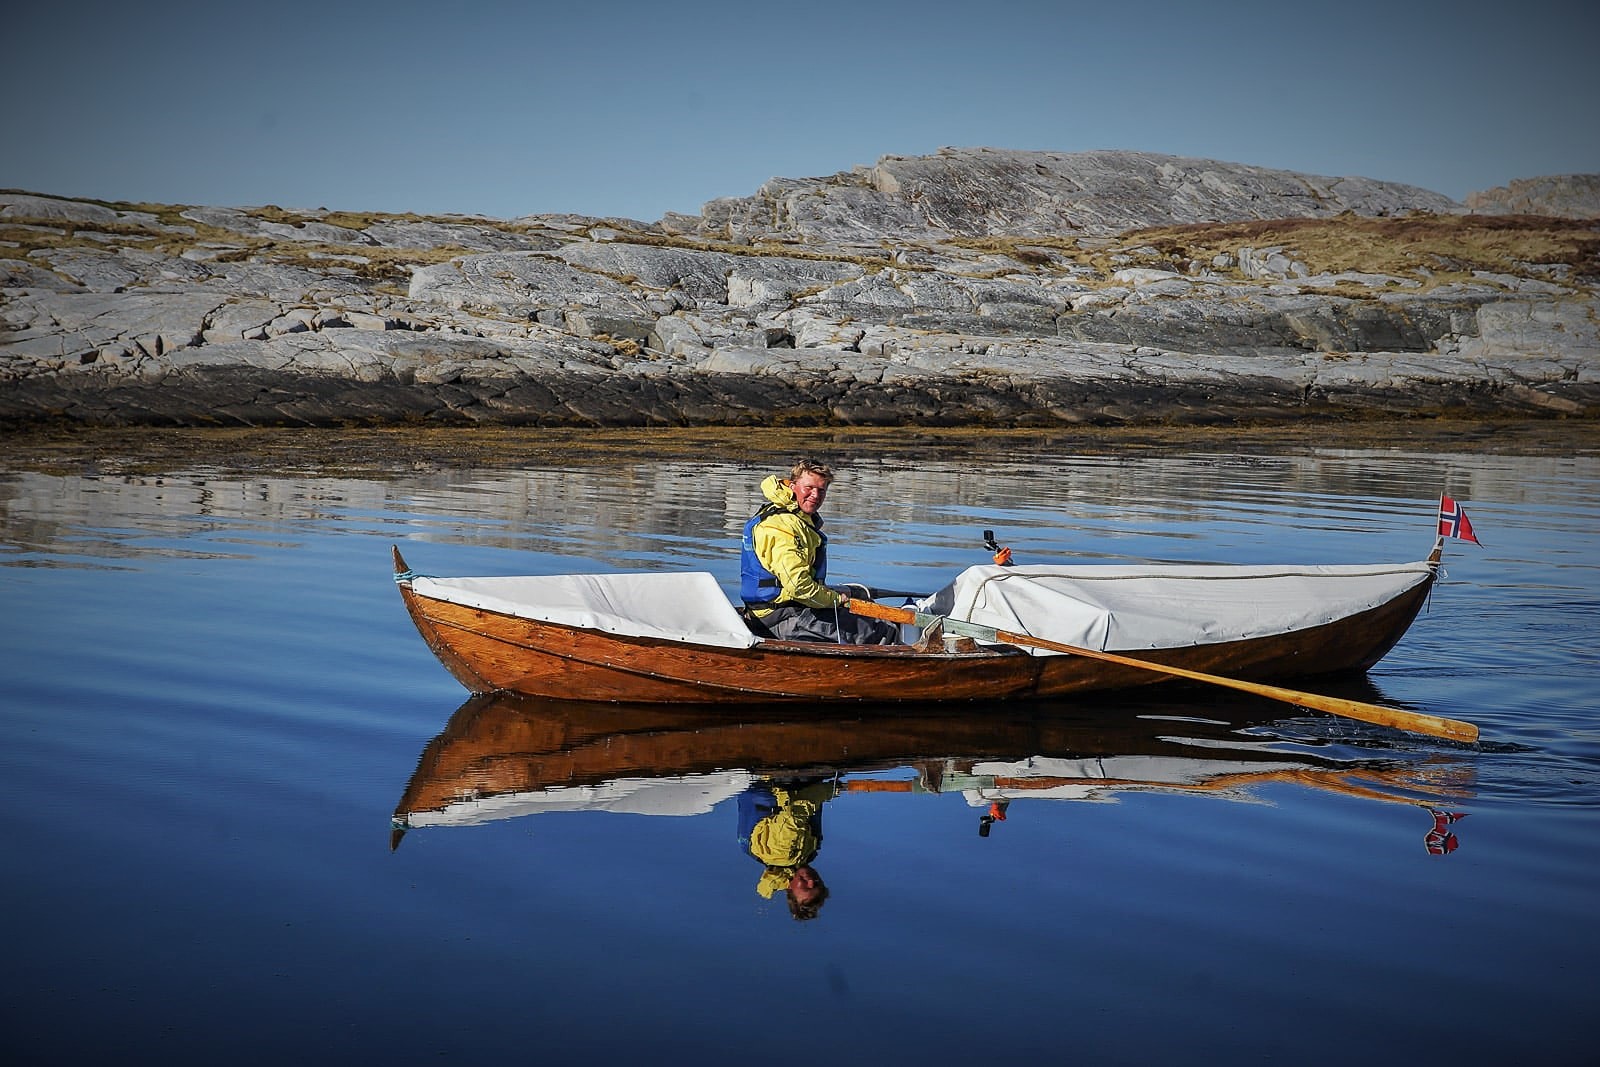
point(506, 755)
point(491, 652)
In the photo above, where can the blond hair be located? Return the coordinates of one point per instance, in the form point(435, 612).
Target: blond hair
point(807, 466)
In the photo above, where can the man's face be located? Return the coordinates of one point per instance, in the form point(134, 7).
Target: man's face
point(809, 492)
point(804, 885)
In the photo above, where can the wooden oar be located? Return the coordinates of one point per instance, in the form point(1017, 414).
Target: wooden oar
point(1415, 722)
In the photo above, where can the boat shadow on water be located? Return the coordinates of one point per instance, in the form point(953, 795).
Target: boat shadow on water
point(504, 756)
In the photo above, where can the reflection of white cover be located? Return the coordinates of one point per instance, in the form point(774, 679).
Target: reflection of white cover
point(1132, 608)
point(1100, 777)
point(689, 795)
point(686, 606)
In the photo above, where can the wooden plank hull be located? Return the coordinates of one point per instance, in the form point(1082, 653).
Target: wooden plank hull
point(505, 743)
point(510, 746)
point(491, 652)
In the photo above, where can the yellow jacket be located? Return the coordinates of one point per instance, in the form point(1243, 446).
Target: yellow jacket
point(788, 838)
point(786, 543)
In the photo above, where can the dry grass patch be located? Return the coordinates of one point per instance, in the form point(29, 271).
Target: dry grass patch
point(1431, 248)
point(32, 234)
point(1418, 244)
point(871, 264)
point(625, 346)
point(380, 264)
point(353, 220)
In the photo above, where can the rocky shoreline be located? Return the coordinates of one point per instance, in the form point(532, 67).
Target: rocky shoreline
point(971, 288)
point(380, 452)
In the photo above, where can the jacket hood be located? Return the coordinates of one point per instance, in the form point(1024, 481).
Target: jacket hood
point(777, 490)
point(774, 880)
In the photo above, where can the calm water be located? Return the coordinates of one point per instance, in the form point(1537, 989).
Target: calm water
point(214, 706)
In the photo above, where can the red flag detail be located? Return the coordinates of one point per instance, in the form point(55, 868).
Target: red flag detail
point(1453, 521)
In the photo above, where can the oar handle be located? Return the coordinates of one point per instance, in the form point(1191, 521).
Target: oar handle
point(879, 785)
point(1416, 722)
point(858, 606)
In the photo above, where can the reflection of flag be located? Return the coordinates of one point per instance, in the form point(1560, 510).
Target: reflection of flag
point(1453, 521)
point(1441, 840)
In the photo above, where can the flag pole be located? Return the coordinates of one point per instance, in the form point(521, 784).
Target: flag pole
point(1439, 531)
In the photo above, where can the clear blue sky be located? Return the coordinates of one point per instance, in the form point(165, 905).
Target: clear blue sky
point(636, 109)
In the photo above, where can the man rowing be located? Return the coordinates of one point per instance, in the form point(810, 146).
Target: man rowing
point(783, 567)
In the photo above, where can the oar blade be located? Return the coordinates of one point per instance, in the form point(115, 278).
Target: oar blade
point(1376, 714)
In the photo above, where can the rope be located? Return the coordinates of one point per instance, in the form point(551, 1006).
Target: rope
point(1223, 574)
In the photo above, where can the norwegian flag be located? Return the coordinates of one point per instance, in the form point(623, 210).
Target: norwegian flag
point(1453, 521)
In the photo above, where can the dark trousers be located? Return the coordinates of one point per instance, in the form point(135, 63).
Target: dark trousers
point(796, 622)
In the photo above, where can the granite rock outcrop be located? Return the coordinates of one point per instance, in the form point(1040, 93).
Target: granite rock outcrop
point(970, 286)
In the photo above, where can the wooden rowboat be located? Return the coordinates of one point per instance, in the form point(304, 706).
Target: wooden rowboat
point(506, 756)
point(676, 638)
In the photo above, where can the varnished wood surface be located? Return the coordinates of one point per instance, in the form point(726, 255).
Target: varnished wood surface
point(506, 744)
point(488, 652)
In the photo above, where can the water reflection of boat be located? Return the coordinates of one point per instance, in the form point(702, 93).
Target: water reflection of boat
point(669, 637)
point(504, 756)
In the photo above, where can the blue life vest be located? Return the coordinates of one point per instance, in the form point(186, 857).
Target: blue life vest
point(757, 585)
point(755, 804)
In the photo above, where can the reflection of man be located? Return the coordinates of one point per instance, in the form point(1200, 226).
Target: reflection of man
point(780, 826)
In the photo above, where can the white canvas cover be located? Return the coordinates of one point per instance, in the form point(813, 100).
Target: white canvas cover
point(678, 606)
point(1132, 608)
point(694, 794)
